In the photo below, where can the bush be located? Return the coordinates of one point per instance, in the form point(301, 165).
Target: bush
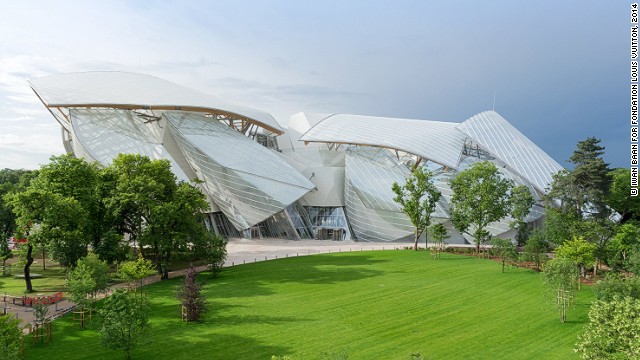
point(191, 297)
point(612, 332)
point(10, 338)
point(615, 285)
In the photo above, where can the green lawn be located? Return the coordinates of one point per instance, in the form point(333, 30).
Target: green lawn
point(50, 280)
point(371, 305)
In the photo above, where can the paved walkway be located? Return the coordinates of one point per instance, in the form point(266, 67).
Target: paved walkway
point(239, 251)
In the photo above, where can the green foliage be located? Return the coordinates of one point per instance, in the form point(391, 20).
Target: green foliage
point(536, 248)
point(505, 250)
point(137, 270)
point(10, 338)
point(619, 199)
point(578, 251)
point(612, 332)
point(633, 262)
point(191, 297)
point(5, 252)
point(153, 209)
point(620, 247)
point(561, 274)
point(81, 285)
point(615, 285)
point(215, 253)
point(417, 199)
point(99, 270)
point(521, 203)
point(439, 233)
point(10, 182)
point(480, 197)
point(125, 322)
point(40, 312)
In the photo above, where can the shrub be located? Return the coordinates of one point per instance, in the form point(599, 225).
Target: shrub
point(612, 332)
point(615, 285)
point(191, 297)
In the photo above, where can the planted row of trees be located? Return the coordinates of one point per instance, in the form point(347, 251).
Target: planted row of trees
point(481, 196)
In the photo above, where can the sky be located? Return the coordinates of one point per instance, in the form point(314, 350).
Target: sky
point(558, 71)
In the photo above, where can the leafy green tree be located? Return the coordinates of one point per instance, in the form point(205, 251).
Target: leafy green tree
point(99, 271)
point(135, 271)
point(536, 248)
point(612, 332)
point(521, 203)
point(10, 338)
point(438, 234)
point(619, 195)
point(480, 197)
point(579, 251)
point(215, 253)
point(125, 322)
point(10, 181)
point(191, 297)
point(43, 218)
point(81, 285)
point(583, 195)
point(623, 243)
point(153, 209)
point(616, 285)
point(505, 250)
point(418, 198)
point(561, 277)
point(633, 262)
point(5, 252)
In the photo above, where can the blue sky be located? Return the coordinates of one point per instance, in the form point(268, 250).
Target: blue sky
point(559, 70)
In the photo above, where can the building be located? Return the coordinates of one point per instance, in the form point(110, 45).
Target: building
point(326, 176)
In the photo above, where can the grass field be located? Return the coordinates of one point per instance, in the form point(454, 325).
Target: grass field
point(50, 280)
point(369, 305)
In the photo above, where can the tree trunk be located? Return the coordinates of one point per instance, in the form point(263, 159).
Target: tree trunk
point(416, 238)
point(44, 266)
point(27, 269)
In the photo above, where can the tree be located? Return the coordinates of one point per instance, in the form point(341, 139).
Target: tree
point(521, 203)
point(590, 177)
point(612, 332)
point(623, 243)
point(536, 248)
point(10, 338)
point(480, 197)
point(10, 181)
point(81, 285)
point(583, 195)
point(125, 322)
point(619, 195)
point(417, 199)
point(43, 217)
point(90, 276)
point(135, 271)
point(614, 285)
point(5, 253)
point(561, 277)
point(438, 234)
point(153, 209)
point(99, 271)
point(191, 297)
point(505, 250)
point(578, 251)
point(215, 253)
